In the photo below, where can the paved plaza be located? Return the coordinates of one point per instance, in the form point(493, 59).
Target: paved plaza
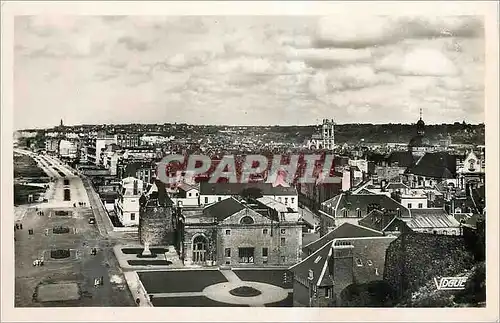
point(34, 285)
point(209, 288)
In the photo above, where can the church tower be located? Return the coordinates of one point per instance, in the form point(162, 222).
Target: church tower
point(328, 134)
point(420, 125)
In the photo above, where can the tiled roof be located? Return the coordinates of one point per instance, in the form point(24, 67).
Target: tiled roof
point(360, 202)
point(368, 261)
point(314, 262)
point(186, 187)
point(236, 188)
point(345, 230)
point(272, 203)
point(435, 165)
point(396, 186)
point(431, 218)
point(377, 220)
point(224, 209)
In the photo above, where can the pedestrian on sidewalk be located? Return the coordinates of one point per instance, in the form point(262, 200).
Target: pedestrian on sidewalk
point(21, 226)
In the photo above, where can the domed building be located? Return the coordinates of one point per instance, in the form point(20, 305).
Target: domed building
point(419, 144)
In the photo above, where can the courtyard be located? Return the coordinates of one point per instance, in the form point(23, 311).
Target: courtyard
point(218, 288)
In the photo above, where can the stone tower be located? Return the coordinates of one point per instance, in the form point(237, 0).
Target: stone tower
point(328, 134)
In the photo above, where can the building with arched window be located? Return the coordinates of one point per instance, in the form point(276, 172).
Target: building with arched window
point(239, 232)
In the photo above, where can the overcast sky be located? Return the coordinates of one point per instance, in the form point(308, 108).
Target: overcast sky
point(252, 70)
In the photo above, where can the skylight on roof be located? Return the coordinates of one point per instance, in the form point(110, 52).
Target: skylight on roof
point(317, 259)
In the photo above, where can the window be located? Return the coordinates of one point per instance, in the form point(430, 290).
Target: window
point(453, 232)
point(286, 200)
point(228, 232)
point(264, 252)
point(246, 255)
point(283, 231)
point(189, 194)
point(409, 205)
point(219, 199)
point(206, 200)
point(445, 232)
point(293, 199)
point(264, 231)
point(358, 212)
point(359, 263)
point(279, 199)
point(247, 220)
point(283, 241)
point(227, 252)
point(132, 216)
point(283, 259)
point(282, 215)
point(195, 194)
point(420, 205)
point(344, 213)
point(398, 211)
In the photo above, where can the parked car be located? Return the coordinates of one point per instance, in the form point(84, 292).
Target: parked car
point(92, 221)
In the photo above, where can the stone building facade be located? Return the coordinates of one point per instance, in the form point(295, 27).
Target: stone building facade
point(238, 233)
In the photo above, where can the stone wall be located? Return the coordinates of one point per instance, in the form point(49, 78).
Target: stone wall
point(253, 237)
point(413, 259)
point(157, 226)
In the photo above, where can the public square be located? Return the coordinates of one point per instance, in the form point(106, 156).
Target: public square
point(34, 285)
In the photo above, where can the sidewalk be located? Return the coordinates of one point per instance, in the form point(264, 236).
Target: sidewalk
point(101, 216)
point(137, 288)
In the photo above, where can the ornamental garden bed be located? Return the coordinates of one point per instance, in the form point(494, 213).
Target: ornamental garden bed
point(137, 251)
point(60, 253)
point(245, 291)
point(149, 262)
point(62, 213)
point(60, 230)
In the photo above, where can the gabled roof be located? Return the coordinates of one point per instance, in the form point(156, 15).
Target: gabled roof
point(224, 209)
point(362, 201)
point(314, 263)
point(345, 230)
point(377, 220)
point(157, 196)
point(186, 187)
point(370, 251)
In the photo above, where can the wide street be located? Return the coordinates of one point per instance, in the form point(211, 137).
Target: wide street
point(81, 267)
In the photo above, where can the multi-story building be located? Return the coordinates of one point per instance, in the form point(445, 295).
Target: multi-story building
point(241, 232)
point(216, 192)
point(96, 145)
point(52, 145)
point(68, 149)
point(127, 205)
point(318, 280)
point(127, 140)
point(351, 208)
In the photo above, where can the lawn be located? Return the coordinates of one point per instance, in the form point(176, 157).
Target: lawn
point(21, 193)
point(273, 277)
point(179, 281)
point(287, 302)
point(193, 301)
point(25, 166)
